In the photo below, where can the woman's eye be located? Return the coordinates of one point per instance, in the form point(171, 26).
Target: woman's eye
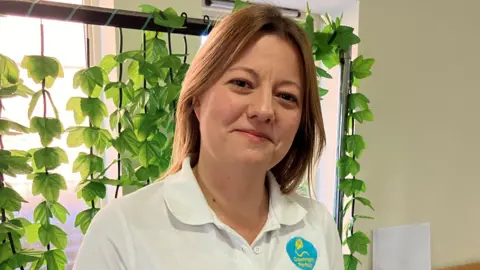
point(288, 97)
point(241, 83)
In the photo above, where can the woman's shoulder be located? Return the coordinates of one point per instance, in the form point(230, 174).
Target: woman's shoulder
point(138, 204)
point(316, 211)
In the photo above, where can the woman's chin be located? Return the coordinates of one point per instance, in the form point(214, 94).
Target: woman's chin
point(255, 157)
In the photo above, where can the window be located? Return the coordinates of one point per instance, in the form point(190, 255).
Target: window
point(65, 41)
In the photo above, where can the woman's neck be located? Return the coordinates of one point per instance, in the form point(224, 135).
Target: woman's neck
point(238, 195)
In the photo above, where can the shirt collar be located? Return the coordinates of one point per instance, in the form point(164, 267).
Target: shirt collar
point(186, 202)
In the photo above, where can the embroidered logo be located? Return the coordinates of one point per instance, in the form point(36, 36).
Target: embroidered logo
point(302, 253)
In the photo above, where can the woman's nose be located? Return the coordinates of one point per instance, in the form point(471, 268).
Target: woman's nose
point(261, 107)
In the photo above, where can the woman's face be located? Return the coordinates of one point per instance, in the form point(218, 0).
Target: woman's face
point(252, 113)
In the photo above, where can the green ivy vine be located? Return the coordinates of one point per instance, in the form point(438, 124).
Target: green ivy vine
point(327, 46)
point(12, 163)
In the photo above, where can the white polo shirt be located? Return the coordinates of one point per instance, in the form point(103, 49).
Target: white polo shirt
point(169, 225)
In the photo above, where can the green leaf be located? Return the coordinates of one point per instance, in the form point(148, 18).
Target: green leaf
point(50, 158)
point(112, 91)
point(354, 144)
point(56, 259)
point(323, 47)
point(149, 150)
point(309, 28)
point(59, 211)
point(5, 251)
point(361, 67)
point(155, 49)
point(132, 55)
point(365, 115)
point(122, 115)
point(345, 37)
point(89, 80)
point(322, 91)
point(356, 82)
point(327, 19)
point(350, 262)
point(358, 242)
point(239, 4)
point(358, 101)
point(23, 90)
point(10, 200)
point(144, 125)
point(92, 190)
point(31, 233)
point(74, 105)
point(52, 234)
point(322, 73)
point(150, 172)
point(347, 165)
point(127, 141)
point(47, 128)
point(8, 92)
point(49, 185)
point(13, 163)
point(42, 213)
point(42, 67)
point(6, 126)
point(363, 217)
point(352, 186)
point(104, 141)
point(331, 60)
point(23, 257)
point(108, 63)
point(11, 227)
point(55, 111)
point(8, 69)
point(148, 8)
point(172, 92)
point(180, 75)
point(169, 18)
point(97, 138)
point(87, 164)
point(84, 218)
point(365, 202)
point(33, 103)
point(134, 74)
point(75, 136)
point(95, 109)
point(169, 61)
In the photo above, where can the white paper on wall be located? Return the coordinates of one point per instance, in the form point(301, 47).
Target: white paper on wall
point(402, 248)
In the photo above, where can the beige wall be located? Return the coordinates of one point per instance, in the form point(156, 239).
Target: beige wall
point(421, 162)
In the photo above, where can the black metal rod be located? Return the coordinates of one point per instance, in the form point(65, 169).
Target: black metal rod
point(97, 16)
point(345, 90)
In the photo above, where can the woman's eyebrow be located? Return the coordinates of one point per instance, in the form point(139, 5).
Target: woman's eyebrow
point(246, 69)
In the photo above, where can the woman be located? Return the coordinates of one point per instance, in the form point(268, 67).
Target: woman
point(249, 129)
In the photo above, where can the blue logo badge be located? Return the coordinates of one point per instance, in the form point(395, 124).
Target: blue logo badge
point(302, 253)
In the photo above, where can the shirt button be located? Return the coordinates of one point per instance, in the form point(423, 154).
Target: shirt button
point(257, 250)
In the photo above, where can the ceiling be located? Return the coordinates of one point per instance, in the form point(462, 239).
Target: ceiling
point(316, 6)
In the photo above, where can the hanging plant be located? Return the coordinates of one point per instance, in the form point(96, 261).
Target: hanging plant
point(44, 71)
point(97, 139)
point(327, 46)
point(143, 119)
point(12, 163)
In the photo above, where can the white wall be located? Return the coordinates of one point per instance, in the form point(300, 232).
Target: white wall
point(421, 162)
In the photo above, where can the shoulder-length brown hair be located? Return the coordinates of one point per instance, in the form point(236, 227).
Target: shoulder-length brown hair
point(226, 41)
